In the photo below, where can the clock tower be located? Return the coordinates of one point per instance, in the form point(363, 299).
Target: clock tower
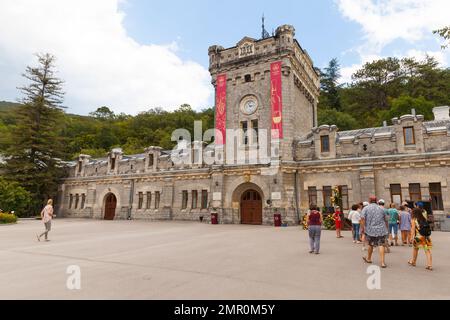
point(266, 89)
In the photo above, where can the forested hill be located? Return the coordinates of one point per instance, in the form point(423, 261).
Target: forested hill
point(7, 106)
point(379, 91)
point(103, 130)
point(382, 90)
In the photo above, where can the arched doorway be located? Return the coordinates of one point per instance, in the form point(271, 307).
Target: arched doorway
point(110, 206)
point(251, 207)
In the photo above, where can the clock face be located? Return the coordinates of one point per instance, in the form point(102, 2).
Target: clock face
point(249, 105)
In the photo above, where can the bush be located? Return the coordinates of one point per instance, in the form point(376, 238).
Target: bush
point(6, 218)
point(13, 197)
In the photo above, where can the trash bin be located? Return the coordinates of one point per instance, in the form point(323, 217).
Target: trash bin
point(214, 218)
point(277, 220)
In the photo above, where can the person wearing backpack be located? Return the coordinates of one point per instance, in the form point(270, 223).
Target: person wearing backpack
point(421, 237)
point(315, 221)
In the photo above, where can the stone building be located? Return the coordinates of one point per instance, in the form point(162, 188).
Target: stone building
point(273, 158)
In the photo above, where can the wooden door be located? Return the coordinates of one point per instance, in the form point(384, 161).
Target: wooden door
point(110, 207)
point(251, 208)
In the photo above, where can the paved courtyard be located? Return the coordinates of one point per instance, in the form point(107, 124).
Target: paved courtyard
point(176, 260)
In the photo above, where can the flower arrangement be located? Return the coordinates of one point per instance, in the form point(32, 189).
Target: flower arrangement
point(328, 222)
point(305, 222)
point(336, 198)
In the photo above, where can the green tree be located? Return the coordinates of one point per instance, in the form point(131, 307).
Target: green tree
point(13, 197)
point(330, 88)
point(342, 120)
point(32, 155)
point(445, 34)
point(103, 113)
point(380, 79)
point(404, 104)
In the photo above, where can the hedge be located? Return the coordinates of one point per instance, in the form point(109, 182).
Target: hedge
point(6, 218)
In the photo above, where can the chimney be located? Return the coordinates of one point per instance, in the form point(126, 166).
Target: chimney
point(441, 113)
point(413, 112)
point(385, 123)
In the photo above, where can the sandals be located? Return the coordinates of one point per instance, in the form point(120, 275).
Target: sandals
point(429, 268)
point(383, 266)
point(366, 260)
point(411, 263)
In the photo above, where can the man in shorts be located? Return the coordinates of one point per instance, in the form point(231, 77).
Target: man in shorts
point(375, 225)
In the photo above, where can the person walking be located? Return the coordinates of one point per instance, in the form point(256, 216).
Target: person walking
point(424, 212)
point(405, 225)
point(337, 217)
point(382, 203)
point(315, 220)
point(355, 216)
point(393, 224)
point(47, 216)
point(375, 225)
point(421, 238)
point(362, 233)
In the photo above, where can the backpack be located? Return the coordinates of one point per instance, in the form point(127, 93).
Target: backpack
point(424, 229)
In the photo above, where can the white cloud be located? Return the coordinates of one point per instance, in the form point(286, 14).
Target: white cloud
point(100, 63)
point(385, 21)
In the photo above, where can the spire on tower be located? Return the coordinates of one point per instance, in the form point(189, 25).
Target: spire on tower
point(265, 34)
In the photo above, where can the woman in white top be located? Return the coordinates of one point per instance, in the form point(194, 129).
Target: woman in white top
point(47, 216)
point(355, 216)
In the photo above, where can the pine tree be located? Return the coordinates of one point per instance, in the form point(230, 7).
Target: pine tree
point(32, 156)
point(330, 89)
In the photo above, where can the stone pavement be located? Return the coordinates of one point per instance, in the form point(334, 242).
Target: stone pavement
point(177, 260)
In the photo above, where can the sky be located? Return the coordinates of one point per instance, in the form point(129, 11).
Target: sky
point(133, 55)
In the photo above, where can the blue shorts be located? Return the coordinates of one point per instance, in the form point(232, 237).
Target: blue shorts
point(393, 227)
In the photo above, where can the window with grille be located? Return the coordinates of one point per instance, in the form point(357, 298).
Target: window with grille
point(327, 194)
point(141, 200)
point(325, 143)
point(409, 136)
point(312, 195)
point(436, 197)
point(344, 197)
point(255, 132)
point(151, 160)
point(194, 199)
point(204, 199)
point(396, 193)
point(83, 201)
point(184, 201)
point(414, 192)
point(244, 132)
point(149, 200)
point(157, 199)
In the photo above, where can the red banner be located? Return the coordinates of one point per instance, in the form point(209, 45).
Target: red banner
point(276, 99)
point(221, 109)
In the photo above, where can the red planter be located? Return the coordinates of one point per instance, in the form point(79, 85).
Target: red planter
point(277, 220)
point(214, 218)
